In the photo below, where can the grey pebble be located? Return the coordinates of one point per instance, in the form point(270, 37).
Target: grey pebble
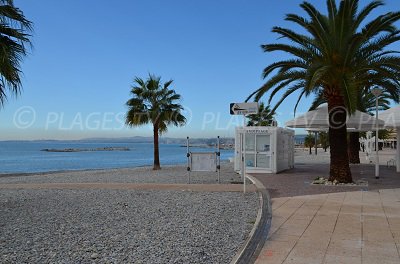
point(123, 226)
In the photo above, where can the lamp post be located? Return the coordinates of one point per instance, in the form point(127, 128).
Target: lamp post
point(376, 92)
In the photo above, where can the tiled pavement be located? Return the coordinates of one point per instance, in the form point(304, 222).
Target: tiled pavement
point(348, 227)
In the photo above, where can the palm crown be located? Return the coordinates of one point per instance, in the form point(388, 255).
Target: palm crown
point(13, 45)
point(337, 57)
point(154, 103)
point(263, 118)
point(366, 101)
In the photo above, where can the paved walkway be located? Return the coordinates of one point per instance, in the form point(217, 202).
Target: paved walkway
point(348, 227)
point(297, 181)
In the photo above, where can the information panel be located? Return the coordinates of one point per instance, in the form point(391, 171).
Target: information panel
point(203, 161)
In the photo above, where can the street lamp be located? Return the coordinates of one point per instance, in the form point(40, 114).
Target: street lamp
point(376, 91)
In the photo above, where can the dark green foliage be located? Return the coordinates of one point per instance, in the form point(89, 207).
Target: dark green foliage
point(264, 117)
point(323, 139)
point(154, 103)
point(15, 36)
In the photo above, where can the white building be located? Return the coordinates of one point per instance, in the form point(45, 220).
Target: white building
point(264, 149)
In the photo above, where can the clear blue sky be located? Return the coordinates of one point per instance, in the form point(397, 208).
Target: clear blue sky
point(86, 54)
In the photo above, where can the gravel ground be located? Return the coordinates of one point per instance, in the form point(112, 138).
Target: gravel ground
point(122, 226)
point(168, 174)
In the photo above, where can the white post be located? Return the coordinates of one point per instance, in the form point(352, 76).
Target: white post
point(377, 143)
point(376, 91)
point(398, 150)
point(188, 158)
point(315, 142)
point(244, 162)
point(244, 154)
point(219, 161)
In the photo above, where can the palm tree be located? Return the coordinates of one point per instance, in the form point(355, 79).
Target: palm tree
point(154, 103)
point(335, 56)
point(264, 117)
point(14, 39)
point(309, 142)
point(323, 140)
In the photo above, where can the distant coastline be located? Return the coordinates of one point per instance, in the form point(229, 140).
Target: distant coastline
point(88, 149)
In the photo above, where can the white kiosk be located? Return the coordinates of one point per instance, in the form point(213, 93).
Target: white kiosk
point(264, 149)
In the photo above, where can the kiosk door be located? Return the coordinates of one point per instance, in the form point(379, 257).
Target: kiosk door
point(263, 151)
point(258, 151)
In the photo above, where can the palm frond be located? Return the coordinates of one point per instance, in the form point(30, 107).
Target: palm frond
point(338, 55)
point(15, 36)
point(153, 102)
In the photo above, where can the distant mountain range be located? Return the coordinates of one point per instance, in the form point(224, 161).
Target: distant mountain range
point(299, 139)
point(164, 140)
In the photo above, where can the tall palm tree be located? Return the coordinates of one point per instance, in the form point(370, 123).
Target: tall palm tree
point(153, 102)
point(264, 117)
point(14, 40)
point(335, 56)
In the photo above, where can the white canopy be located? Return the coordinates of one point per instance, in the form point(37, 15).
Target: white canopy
point(392, 120)
point(318, 120)
point(391, 117)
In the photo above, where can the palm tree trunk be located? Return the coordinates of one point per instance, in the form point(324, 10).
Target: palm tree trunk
point(339, 167)
point(354, 147)
point(156, 165)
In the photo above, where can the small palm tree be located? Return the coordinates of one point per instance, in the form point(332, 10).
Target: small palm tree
point(323, 140)
point(309, 142)
point(336, 56)
point(264, 117)
point(14, 39)
point(154, 103)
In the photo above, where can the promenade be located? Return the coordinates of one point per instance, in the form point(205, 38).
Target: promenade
point(333, 224)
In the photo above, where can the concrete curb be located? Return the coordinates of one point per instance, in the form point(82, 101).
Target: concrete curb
point(258, 235)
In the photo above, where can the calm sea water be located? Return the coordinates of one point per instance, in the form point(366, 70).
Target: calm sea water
point(26, 156)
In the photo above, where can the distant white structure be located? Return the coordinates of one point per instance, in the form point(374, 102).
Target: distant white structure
point(369, 145)
point(318, 120)
point(392, 120)
point(264, 149)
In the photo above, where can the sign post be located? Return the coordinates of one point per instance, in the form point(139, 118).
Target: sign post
point(243, 109)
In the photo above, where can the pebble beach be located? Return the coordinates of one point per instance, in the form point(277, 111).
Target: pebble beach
point(123, 226)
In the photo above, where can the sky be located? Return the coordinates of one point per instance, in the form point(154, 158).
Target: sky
point(78, 76)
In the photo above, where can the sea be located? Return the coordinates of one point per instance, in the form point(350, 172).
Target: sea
point(28, 157)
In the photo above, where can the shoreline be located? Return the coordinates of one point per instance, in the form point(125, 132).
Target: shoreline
point(169, 174)
point(20, 174)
